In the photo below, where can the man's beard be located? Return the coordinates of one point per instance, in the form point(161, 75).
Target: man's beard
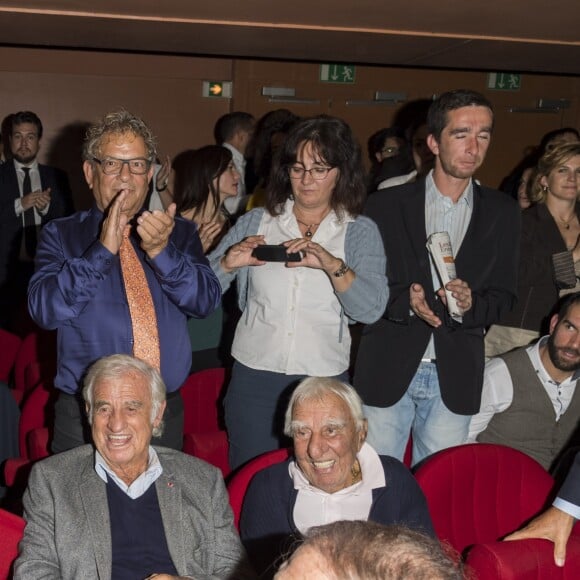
point(560, 363)
point(24, 159)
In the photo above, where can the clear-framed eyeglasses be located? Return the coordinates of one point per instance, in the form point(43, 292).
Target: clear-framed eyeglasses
point(114, 166)
point(318, 173)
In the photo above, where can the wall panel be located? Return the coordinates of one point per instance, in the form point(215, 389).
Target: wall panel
point(71, 88)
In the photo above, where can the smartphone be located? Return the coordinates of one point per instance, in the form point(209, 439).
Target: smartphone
point(268, 253)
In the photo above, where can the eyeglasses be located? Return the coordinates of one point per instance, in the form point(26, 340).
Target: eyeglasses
point(390, 150)
point(114, 166)
point(317, 173)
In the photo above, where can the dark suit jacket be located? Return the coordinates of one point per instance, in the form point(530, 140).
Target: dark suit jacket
point(570, 491)
point(11, 225)
point(391, 349)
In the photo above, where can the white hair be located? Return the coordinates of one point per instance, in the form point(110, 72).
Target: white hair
point(118, 365)
point(318, 388)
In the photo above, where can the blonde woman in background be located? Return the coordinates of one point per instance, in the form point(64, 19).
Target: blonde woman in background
point(549, 263)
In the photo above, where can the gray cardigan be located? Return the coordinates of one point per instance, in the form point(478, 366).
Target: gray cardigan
point(68, 533)
point(364, 301)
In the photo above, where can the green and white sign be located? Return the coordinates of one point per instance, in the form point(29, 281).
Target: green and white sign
point(504, 81)
point(337, 73)
point(217, 89)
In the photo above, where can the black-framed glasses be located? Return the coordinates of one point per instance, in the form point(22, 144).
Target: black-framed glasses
point(391, 151)
point(114, 166)
point(317, 173)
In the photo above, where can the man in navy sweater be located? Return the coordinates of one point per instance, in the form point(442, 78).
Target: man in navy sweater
point(124, 509)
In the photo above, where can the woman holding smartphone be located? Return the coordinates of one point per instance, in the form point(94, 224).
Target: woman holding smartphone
point(295, 314)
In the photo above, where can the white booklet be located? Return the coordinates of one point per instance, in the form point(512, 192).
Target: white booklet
point(439, 246)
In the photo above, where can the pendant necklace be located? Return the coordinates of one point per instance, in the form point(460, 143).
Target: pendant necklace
point(308, 233)
point(566, 223)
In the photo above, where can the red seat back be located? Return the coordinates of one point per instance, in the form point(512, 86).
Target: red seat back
point(37, 347)
point(201, 400)
point(239, 482)
point(478, 493)
point(38, 443)
point(211, 447)
point(523, 560)
point(11, 531)
point(35, 413)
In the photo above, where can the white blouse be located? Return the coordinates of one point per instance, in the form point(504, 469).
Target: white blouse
point(293, 318)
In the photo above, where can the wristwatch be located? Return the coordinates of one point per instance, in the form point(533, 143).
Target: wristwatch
point(342, 270)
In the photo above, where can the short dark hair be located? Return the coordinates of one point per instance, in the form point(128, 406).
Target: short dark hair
point(566, 303)
point(450, 101)
point(227, 125)
point(26, 117)
point(194, 182)
point(333, 141)
point(365, 549)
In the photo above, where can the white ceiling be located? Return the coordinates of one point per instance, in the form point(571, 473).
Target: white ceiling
point(511, 35)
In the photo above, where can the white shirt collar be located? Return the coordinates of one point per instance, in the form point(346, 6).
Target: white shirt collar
point(33, 165)
point(431, 190)
point(287, 216)
point(141, 484)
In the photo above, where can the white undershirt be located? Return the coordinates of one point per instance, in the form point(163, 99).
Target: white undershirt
point(442, 215)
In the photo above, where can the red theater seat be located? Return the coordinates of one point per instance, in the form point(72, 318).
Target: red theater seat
point(480, 492)
point(523, 560)
point(11, 531)
point(239, 482)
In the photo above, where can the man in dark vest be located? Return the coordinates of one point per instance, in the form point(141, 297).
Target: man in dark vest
point(530, 400)
point(121, 508)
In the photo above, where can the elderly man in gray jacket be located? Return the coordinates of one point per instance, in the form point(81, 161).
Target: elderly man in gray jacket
point(123, 508)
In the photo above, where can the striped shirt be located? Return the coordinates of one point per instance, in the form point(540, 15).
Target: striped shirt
point(442, 215)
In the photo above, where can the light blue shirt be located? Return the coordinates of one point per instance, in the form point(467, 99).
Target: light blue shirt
point(442, 215)
point(570, 508)
point(141, 484)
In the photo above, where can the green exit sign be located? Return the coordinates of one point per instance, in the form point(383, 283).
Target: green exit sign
point(504, 81)
point(219, 89)
point(337, 73)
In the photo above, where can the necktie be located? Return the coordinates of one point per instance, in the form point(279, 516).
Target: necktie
point(141, 308)
point(29, 221)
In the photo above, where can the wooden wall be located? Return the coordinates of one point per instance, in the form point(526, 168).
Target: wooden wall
point(69, 89)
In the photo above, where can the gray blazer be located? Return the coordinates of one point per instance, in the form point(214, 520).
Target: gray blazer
point(68, 532)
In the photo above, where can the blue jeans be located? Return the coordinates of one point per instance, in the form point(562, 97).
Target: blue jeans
point(255, 404)
point(422, 411)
